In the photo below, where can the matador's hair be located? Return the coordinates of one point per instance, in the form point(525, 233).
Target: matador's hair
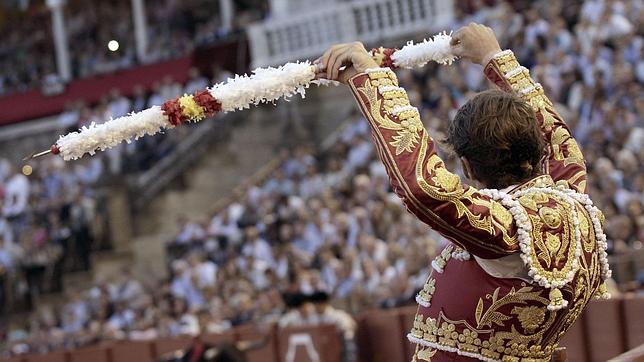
point(498, 133)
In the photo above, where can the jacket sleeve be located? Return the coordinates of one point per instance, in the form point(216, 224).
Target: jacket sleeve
point(419, 177)
point(565, 161)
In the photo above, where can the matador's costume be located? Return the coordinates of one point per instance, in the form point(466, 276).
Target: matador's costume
point(523, 262)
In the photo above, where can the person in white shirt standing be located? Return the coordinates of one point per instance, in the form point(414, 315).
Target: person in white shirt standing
point(16, 200)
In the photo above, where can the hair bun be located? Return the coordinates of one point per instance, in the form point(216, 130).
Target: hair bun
point(521, 150)
point(526, 167)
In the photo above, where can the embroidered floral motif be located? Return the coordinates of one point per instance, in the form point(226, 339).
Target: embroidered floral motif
point(397, 104)
point(530, 317)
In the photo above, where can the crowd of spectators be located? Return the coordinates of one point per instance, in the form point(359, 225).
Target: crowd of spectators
point(326, 220)
point(46, 228)
point(175, 28)
point(47, 216)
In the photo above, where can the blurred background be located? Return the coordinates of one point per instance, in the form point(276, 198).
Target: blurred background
point(244, 234)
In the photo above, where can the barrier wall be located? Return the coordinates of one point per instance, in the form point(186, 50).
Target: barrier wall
point(606, 329)
point(33, 104)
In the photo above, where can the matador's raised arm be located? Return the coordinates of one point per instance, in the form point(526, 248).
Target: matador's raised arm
point(565, 160)
point(418, 175)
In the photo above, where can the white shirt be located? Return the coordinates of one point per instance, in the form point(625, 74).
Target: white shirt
point(16, 195)
point(5, 231)
point(260, 250)
point(510, 266)
point(206, 274)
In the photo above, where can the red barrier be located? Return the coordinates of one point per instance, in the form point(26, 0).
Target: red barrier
point(407, 315)
point(575, 342)
point(301, 344)
point(60, 356)
point(251, 334)
point(380, 337)
point(93, 354)
point(214, 339)
point(132, 351)
point(603, 320)
point(165, 345)
point(634, 320)
point(17, 359)
point(33, 104)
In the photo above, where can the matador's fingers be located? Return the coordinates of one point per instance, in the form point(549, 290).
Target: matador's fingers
point(323, 60)
point(456, 37)
point(338, 63)
point(337, 51)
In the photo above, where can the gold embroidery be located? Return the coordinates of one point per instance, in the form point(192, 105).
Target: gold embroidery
point(521, 82)
point(501, 214)
point(407, 135)
point(548, 121)
point(565, 149)
point(581, 187)
point(563, 184)
point(446, 180)
point(375, 117)
point(539, 181)
point(517, 326)
point(574, 153)
point(450, 189)
point(584, 227)
point(379, 75)
point(528, 202)
point(550, 217)
point(427, 293)
point(509, 346)
point(424, 354)
point(550, 247)
point(530, 317)
point(441, 260)
point(507, 62)
point(553, 244)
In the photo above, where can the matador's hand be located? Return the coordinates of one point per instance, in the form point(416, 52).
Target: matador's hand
point(343, 61)
point(475, 42)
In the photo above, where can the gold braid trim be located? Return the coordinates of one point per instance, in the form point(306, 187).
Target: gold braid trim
point(521, 82)
point(524, 343)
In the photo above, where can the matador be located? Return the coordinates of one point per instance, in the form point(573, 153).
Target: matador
point(527, 251)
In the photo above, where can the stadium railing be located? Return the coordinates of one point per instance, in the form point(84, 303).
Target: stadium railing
point(309, 33)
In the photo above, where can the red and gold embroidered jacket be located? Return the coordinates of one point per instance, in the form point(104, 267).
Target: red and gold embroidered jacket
point(484, 307)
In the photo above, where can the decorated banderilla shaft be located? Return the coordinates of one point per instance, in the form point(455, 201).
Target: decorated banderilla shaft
point(263, 85)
